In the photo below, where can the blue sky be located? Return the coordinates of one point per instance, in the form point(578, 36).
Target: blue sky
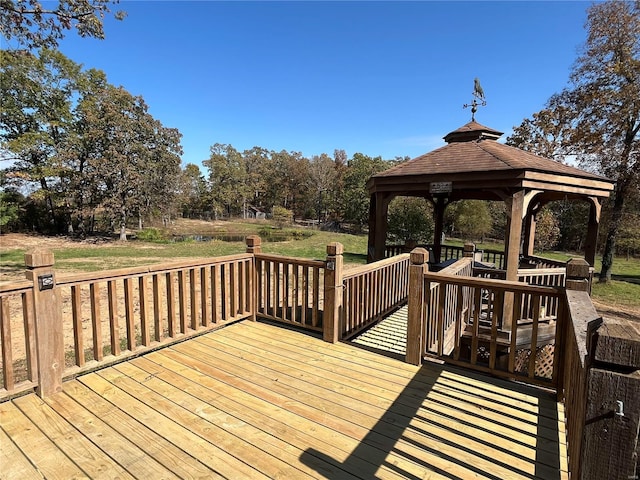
point(380, 78)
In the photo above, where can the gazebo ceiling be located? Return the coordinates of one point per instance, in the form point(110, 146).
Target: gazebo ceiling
point(474, 162)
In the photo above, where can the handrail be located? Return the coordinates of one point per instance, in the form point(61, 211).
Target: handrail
point(103, 275)
point(372, 291)
point(380, 264)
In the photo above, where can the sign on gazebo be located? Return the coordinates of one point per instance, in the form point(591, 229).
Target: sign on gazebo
point(440, 187)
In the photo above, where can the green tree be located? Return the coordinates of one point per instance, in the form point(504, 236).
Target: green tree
point(35, 118)
point(471, 219)
point(597, 118)
point(355, 197)
point(323, 175)
point(134, 159)
point(547, 230)
point(9, 209)
point(32, 25)
point(226, 177)
point(410, 219)
point(193, 192)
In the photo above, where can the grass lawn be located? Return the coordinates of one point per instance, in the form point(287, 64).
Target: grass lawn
point(623, 292)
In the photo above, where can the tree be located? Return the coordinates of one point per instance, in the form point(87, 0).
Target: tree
point(597, 118)
point(470, 218)
point(355, 198)
point(35, 118)
point(410, 218)
point(547, 230)
point(323, 176)
point(194, 192)
point(226, 176)
point(132, 159)
point(33, 26)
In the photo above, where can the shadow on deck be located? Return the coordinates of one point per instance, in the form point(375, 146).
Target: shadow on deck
point(254, 400)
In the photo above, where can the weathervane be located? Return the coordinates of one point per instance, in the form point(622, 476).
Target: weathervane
point(478, 101)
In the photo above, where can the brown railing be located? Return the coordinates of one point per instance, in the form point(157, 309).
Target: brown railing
point(86, 321)
point(99, 318)
point(594, 373)
point(504, 328)
point(449, 252)
point(290, 290)
point(17, 338)
point(372, 291)
point(542, 262)
point(449, 305)
point(576, 364)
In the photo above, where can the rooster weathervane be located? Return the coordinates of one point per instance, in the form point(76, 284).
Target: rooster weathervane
point(478, 101)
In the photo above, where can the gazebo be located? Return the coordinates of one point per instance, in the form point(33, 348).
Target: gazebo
point(473, 165)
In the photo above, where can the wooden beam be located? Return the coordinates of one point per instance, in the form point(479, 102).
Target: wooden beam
point(515, 209)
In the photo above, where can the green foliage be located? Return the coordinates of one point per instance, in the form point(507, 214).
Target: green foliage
point(82, 145)
point(597, 118)
point(410, 218)
point(269, 234)
point(9, 210)
point(33, 25)
point(151, 235)
point(547, 230)
point(282, 216)
point(355, 197)
point(471, 219)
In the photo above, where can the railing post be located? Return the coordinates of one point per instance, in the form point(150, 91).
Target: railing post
point(612, 419)
point(332, 310)
point(254, 245)
point(415, 329)
point(578, 275)
point(48, 321)
point(469, 250)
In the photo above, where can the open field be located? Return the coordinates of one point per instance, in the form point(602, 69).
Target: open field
point(620, 298)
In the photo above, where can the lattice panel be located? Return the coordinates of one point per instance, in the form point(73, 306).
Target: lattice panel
point(544, 361)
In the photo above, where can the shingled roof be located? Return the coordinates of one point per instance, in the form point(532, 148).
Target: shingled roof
point(473, 148)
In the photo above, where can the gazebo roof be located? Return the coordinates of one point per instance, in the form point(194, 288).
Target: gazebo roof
point(473, 159)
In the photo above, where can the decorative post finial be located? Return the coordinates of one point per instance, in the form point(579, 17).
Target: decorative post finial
point(478, 101)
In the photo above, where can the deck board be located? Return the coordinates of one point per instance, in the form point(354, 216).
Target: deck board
point(254, 400)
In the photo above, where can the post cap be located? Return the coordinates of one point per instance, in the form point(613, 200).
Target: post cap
point(38, 258)
point(419, 256)
point(335, 248)
point(253, 241)
point(578, 268)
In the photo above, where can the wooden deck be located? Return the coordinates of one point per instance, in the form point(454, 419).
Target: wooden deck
point(254, 400)
point(387, 336)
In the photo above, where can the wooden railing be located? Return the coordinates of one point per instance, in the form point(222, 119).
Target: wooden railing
point(95, 319)
point(471, 316)
point(542, 262)
point(449, 308)
point(290, 290)
point(470, 330)
point(17, 338)
point(576, 364)
point(54, 326)
point(372, 291)
point(597, 375)
point(448, 252)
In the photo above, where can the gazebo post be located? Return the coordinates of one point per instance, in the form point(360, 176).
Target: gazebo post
point(515, 209)
point(371, 242)
point(439, 204)
point(592, 231)
point(378, 237)
point(529, 234)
